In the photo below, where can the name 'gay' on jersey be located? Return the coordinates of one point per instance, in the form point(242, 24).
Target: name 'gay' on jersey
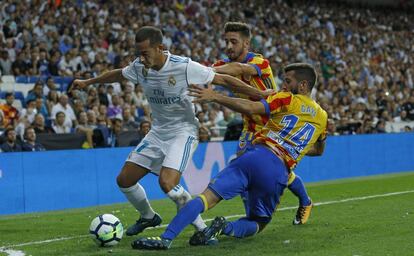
point(295, 123)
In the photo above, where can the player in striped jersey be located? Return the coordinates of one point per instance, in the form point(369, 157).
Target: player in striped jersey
point(296, 126)
point(254, 69)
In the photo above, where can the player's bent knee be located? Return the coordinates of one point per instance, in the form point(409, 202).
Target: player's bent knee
point(123, 182)
point(261, 222)
point(167, 184)
point(130, 175)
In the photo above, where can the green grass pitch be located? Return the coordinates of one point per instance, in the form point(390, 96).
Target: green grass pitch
point(363, 216)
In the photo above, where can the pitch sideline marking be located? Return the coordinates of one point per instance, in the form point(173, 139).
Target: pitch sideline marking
point(229, 217)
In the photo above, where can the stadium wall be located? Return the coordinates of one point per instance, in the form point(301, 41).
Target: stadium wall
point(52, 180)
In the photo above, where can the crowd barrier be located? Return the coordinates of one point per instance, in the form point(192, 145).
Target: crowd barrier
point(52, 180)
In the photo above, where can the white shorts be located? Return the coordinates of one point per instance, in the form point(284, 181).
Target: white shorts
point(173, 151)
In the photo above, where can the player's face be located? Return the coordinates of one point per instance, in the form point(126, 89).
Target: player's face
point(236, 45)
point(148, 54)
point(290, 84)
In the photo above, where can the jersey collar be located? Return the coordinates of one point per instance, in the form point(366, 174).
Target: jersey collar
point(249, 55)
point(166, 61)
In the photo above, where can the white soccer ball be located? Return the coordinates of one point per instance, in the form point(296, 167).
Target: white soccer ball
point(106, 230)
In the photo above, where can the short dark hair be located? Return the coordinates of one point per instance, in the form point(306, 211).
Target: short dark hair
point(60, 112)
point(6, 132)
point(8, 94)
point(148, 32)
point(239, 27)
point(303, 71)
point(27, 129)
point(144, 122)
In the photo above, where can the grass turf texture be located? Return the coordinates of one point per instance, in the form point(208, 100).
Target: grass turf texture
point(375, 226)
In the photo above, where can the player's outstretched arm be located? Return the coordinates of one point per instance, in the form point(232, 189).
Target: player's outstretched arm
point(107, 77)
point(239, 86)
point(236, 69)
point(243, 106)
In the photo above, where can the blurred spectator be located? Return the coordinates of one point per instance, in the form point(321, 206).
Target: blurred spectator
point(116, 129)
point(102, 95)
point(36, 92)
point(144, 128)
point(63, 106)
point(402, 117)
point(41, 106)
point(11, 144)
point(30, 143)
point(11, 114)
point(39, 125)
point(59, 127)
point(83, 127)
point(2, 122)
point(92, 121)
point(5, 63)
point(114, 109)
point(52, 100)
point(128, 121)
point(408, 107)
point(331, 128)
point(50, 86)
point(30, 111)
point(19, 66)
point(204, 134)
point(365, 65)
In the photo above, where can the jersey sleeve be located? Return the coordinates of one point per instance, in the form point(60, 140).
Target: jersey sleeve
point(199, 74)
point(132, 72)
point(261, 65)
point(219, 63)
point(277, 102)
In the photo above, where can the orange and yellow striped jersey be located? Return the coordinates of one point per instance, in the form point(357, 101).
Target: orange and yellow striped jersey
point(295, 123)
point(263, 81)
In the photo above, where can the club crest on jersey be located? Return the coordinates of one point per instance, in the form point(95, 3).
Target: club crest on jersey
point(144, 72)
point(242, 143)
point(171, 81)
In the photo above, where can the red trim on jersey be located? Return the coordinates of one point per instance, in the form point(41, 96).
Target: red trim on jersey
point(219, 63)
point(264, 119)
point(263, 65)
point(278, 102)
point(259, 83)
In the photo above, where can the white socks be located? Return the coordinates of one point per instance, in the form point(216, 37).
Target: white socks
point(180, 196)
point(138, 198)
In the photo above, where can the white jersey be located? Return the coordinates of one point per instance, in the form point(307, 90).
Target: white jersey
point(166, 90)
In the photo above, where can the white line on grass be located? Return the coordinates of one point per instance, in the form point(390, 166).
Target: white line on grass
point(13, 252)
point(228, 217)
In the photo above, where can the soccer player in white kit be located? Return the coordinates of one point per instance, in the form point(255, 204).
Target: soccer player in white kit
point(167, 148)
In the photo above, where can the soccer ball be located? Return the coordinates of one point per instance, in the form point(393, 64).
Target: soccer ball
point(106, 230)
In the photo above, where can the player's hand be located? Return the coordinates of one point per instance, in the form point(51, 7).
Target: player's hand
point(267, 93)
point(79, 84)
point(202, 94)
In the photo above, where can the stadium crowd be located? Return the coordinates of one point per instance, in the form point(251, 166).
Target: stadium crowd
point(365, 57)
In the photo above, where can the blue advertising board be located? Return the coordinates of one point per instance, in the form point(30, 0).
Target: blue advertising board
point(52, 180)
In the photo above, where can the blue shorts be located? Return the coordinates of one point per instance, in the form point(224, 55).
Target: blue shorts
point(245, 142)
point(260, 173)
